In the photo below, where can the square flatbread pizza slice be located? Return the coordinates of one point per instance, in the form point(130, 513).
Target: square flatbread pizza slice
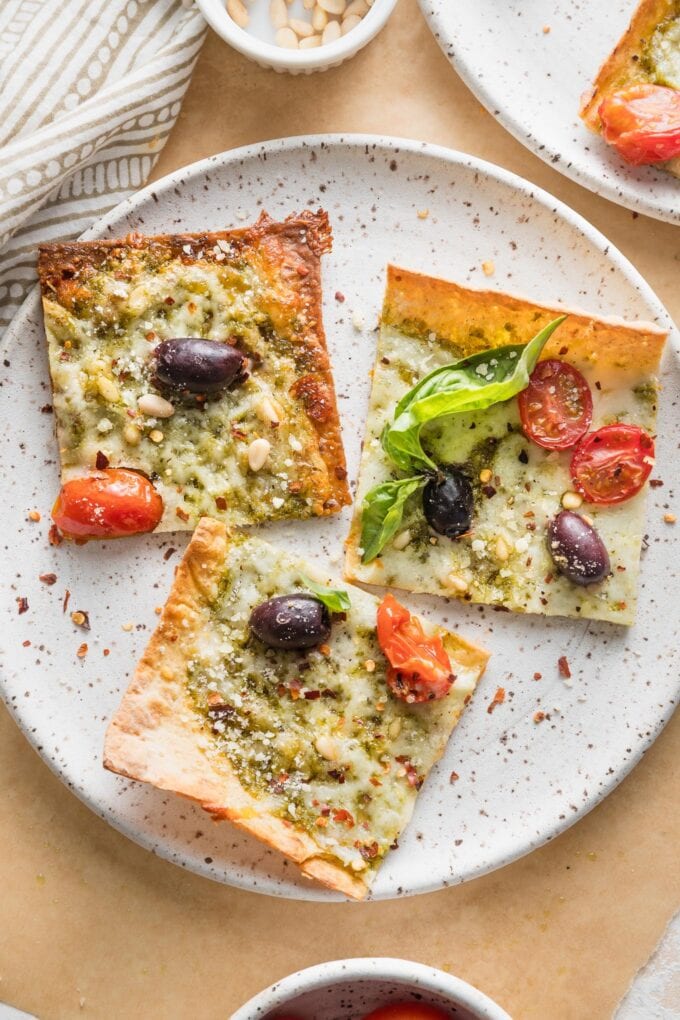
point(200, 361)
point(647, 53)
point(502, 556)
point(308, 750)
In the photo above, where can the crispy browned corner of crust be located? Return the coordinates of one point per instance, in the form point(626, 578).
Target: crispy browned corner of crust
point(288, 253)
point(624, 65)
point(457, 313)
point(156, 736)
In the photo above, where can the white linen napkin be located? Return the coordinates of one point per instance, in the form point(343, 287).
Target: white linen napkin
point(89, 90)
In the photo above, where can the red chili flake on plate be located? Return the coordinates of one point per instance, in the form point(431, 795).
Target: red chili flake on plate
point(563, 667)
point(64, 605)
point(182, 514)
point(106, 651)
point(54, 535)
point(22, 604)
point(101, 461)
point(26, 644)
point(655, 483)
point(538, 676)
point(339, 297)
point(498, 699)
point(168, 553)
point(47, 578)
point(539, 717)
point(82, 651)
point(453, 777)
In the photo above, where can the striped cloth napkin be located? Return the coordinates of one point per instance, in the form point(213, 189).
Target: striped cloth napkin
point(89, 90)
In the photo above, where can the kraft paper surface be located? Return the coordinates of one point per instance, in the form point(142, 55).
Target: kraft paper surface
point(91, 925)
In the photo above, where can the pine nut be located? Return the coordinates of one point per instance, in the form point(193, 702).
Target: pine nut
point(310, 43)
point(302, 29)
point(267, 411)
point(278, 13)
point(331, 32)
point(333, 6)
point(485, 476)
point(319, 19)
point(488, 268)
point(156, 436)
point(571, 500)
point(359, 7)
point(349, 23)
point(502, 550)
point(402, 540)
point(287, 38)
point(155, 406)
point(108, 389)
point(394, 728)
point(258, 452)
point(456, 582)
point(131, 434)
point(236, 10)
point(327, 747)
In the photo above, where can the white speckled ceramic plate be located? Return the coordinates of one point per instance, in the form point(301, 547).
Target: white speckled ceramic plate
point(532, 82)
point(520, 784)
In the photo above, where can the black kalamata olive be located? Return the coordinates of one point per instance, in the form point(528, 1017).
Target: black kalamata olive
point(200, 366)
point(448, 502)
point(291, 621)
point(577, 550)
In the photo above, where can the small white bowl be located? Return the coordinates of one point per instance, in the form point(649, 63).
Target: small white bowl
point(348, 989)
point(296, 61)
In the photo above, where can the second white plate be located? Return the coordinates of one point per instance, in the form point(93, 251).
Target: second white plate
point(519, 783)
point(532, 80)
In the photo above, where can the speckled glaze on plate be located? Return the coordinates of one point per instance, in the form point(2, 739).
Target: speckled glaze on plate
point(519, 784)
point(348, 989)
point(532, 81)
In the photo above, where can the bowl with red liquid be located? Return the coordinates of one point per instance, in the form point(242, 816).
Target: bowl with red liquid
point(373, 988)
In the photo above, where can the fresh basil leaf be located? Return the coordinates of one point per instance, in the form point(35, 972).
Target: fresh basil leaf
point(383, 512)
point(335, 599)
point(472, 384)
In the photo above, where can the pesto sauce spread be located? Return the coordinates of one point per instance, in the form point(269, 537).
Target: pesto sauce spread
point(101, 362)
point(662, 56)
point(318, 737)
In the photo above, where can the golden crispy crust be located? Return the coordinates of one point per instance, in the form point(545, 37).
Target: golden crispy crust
point(287, 256)
point(475, 320)
point(156, 736)
point(624, 66)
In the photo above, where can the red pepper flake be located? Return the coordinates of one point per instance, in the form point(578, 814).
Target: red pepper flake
point(106, 651)
point(150, 336)
point(34, 515)
point(220, 503)
point(168, 553)
point(312, 695)
point(411, 772)
point(82, 651)
point(538, 676)
point(562, 351)
point(539, 717)
point(374, 781)
point(22, 603)
point(454, 777)
point(369, 850)
point(340, 473)
point(655, 483)
point(26, 644)
point(321, 821)
point(169, 300)
point(46, 409)
point(325, 649)
point(101, 461)
point(344, 817)
point(64, 605)
point(563, 667)
point(182, 514)
point(498, 699)
point(47, 578)
point(339, 297)
point(54, 535)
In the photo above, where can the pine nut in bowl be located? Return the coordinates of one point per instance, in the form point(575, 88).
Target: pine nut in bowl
point(298, 36)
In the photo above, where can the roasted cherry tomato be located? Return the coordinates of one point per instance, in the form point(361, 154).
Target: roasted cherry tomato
point(642, 123)
point(556, 408)
point(612, 464)
point(107, 504)
point(407, 1011)
point(420, 669)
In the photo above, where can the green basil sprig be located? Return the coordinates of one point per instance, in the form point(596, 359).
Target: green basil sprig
point(383, 512)
point(489, 377)
point(335, 599)
point(472, 384)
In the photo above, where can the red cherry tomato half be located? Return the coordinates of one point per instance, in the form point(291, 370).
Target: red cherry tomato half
point(642, 123)
point(556, 408)
point(420, 669)
point(107, 504)
point(408, 1011)
point(612, 464)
